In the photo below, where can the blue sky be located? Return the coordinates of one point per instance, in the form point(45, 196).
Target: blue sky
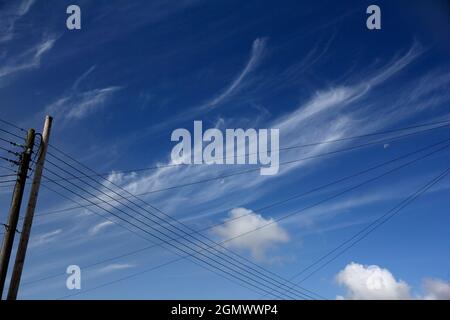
point(138, 70)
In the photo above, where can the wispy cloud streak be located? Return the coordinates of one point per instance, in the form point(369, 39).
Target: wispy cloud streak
point(29, 59)
point(258, 48)
point(77, 104)
point(9, 17)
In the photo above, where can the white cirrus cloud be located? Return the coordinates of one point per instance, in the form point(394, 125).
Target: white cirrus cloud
point(88, 101)
point(115, 267)
point(77, 104)
point(9, 16)
point(258, 47)
point(99, 227)
point(320, 117)
point(45, 238)
point(29, 59)
point(328, 114)
point(237, 83)
point(242, 221)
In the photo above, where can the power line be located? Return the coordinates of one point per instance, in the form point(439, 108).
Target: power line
point(175, 252)
point(359, 236)
point(10, 151)
point(11, 142)
point(324, 142)
point(7, 181)
point(339, 193)
point(191, 231)
point(218, 254)
point(7, 175)
point(12, 125)
point(291, 148)
point(172, 261)
point(12, 134)
point(9, 160)
point(8, 168)
point(116, 257)
point(291, 197)
point(444, 123)
point(140, 273)
point(122, 226)
point(363, 233)
point(220, 177)
point(375, 134)
point(404, 156)
point(322, 201)
point(334, 140)
point(282, 163)
point(288, 162)
point(197, 231)
point(170, 238)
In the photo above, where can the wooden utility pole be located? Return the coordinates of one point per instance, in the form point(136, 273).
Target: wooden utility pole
point(27, 223)
point(14, 211)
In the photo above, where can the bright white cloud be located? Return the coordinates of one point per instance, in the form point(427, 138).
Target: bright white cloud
point(371, 283)
point(241, 221)
point(376, 283)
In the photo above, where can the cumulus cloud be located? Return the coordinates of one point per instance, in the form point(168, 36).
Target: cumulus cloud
point(242, 221)
point(375, 283)
point(371, 283)
point(436, 289)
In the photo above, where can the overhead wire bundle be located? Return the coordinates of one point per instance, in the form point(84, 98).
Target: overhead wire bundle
point(144, 219)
